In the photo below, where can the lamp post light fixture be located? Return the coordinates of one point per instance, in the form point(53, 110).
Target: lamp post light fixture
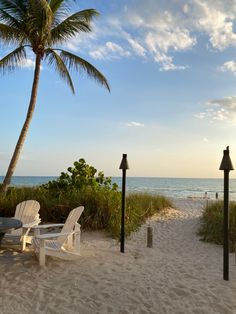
point(123, 166)
point(226, 165)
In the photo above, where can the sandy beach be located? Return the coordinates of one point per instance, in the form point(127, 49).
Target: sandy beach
point(180, 274)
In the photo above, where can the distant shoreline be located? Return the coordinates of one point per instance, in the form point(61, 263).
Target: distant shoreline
point(169, 187)
point(131, 177)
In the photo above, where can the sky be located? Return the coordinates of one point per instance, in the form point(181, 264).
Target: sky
point(171, 66)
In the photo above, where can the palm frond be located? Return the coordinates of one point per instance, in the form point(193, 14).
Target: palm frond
point(60, 9)
point(9, 34)
point(54, 59)
point(13, 60)
point(7, 19)
point(14, 14)
point(72, 25)
point(40, 17)
point(76, 63)
point(56, 5)
point(37, 23)
point(12, 11)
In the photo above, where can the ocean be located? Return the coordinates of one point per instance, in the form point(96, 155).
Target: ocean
point(170, 187)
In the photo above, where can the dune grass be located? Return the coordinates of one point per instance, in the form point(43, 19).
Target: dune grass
point(102, 206)
point(211, 229)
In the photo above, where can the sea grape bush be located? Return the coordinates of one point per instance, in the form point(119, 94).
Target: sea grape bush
point(81, 176)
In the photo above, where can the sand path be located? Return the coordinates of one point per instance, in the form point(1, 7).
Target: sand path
point(180, 274)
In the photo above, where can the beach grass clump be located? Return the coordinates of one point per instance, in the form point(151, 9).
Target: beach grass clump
point(13, 197)
point(212, 223)
point(102, 206)
point(82, 185)
point(139, 207)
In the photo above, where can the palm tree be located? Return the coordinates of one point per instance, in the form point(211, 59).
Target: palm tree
point(42, 25)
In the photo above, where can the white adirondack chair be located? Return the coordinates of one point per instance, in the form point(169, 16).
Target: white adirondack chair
point(28, 213)
point(65, 244)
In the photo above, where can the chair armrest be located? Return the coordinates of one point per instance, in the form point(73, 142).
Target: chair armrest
point(47, 226)
point(31, 224)
point(46, 236)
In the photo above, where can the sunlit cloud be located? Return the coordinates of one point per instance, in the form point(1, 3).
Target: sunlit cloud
point(223, 109)
point(200, 115)
point(165, 61)
point(228, 103)
point(135, 124)
point(136, 46)
point(216, 18)
point(161, 33)
point(28, 64)
point(164, 30)
point(156, 30)
point(111, 50)
point(229, 66)
point(185, 8)
point(205, 140)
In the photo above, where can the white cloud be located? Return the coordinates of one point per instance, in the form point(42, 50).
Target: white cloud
point(223, 109)
point(227, 102)
point(115, 48)
point(85, 41)
point(185, 8)
point(162, 32)
point(135, 124)
point(200, 115)
point(130, 30)
point(216, 19)
point(229, 66)
point(137, 47)
point(168, 35)
point(165, 61)
point(158, 30)
point(205, 140)
point(28, 63)
point(167, 27)
point(111, 50)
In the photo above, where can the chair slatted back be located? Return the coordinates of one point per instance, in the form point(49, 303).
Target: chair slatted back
point(70, 222)
point(27, 211)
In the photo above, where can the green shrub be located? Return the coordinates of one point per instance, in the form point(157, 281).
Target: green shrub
point(212, 223)
point(80, 176)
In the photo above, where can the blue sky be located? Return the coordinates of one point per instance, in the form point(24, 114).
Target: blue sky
point(171, 66)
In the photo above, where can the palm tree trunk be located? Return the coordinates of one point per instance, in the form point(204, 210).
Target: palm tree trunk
point(21, 139)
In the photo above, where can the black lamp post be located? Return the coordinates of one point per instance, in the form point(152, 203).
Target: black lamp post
point(124, 166)
point(226, 165)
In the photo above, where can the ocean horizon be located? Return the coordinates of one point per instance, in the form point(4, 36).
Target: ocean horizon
point(170, 187)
